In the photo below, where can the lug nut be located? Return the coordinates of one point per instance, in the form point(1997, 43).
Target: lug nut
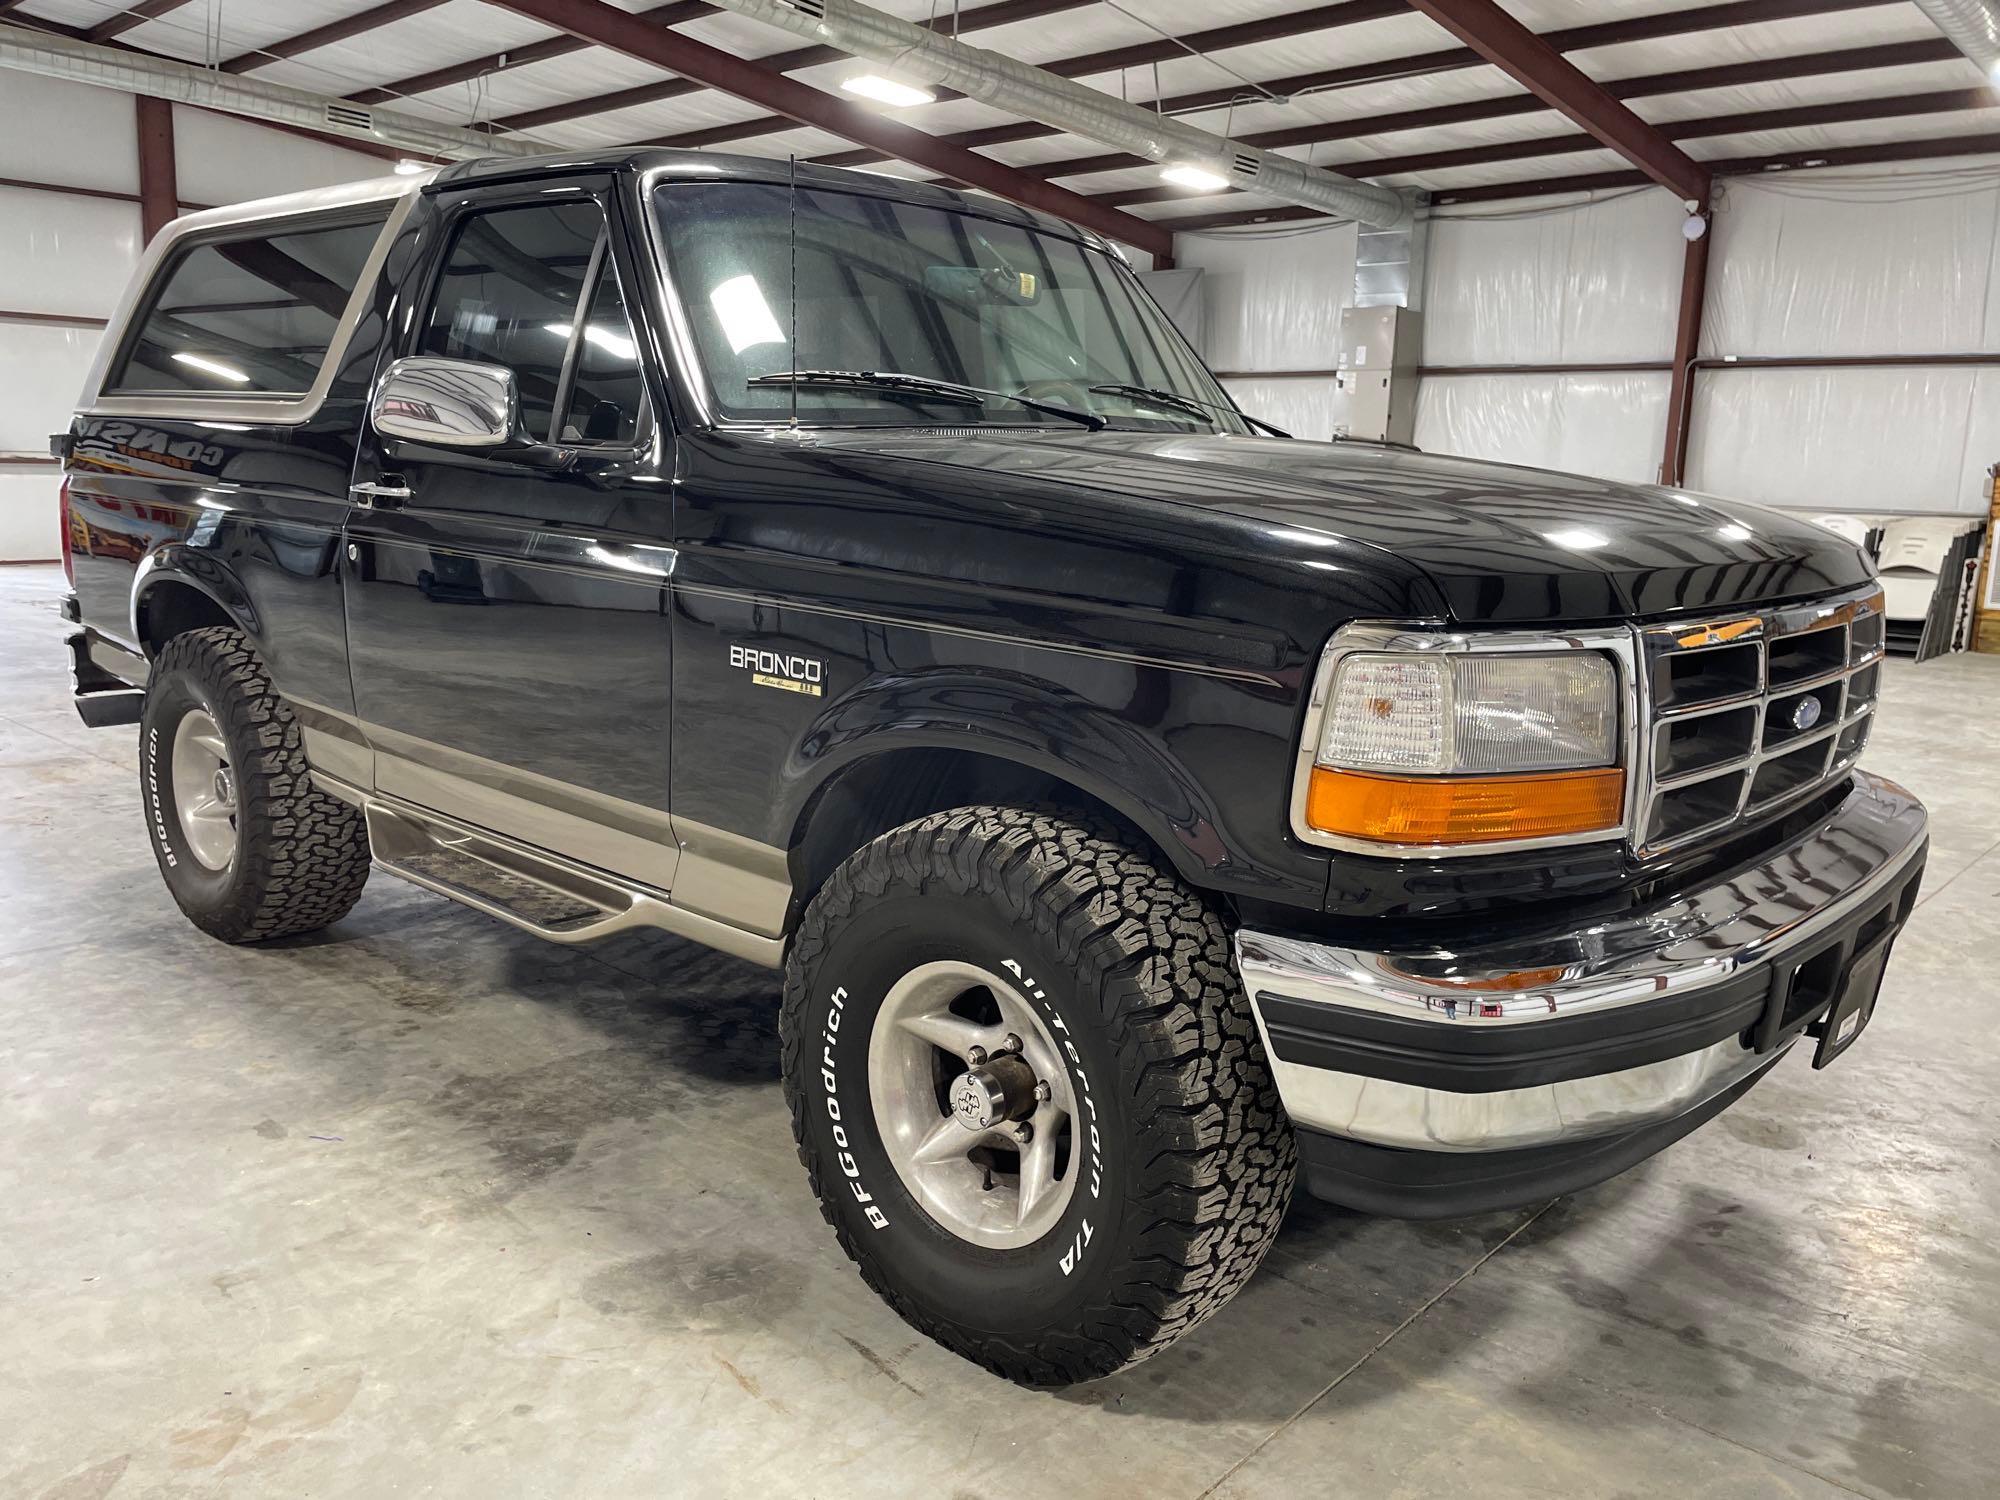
point(1024, 1132)
point(1012, 1044)
point(1042, 1091)
point(976, 1056)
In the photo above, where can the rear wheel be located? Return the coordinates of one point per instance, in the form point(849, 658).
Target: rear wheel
point(1028, 1091)
point(249, 847)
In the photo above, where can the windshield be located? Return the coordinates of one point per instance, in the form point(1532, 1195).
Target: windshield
point(928, 292)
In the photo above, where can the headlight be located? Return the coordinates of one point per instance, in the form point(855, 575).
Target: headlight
point(1463, 747)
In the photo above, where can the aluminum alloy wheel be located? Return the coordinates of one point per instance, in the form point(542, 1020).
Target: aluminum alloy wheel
point(204, 790)
point(985, 1185)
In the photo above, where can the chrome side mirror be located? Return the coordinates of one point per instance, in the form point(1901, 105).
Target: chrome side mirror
point(455, 403)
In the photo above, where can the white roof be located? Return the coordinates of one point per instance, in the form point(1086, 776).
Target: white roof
point(457, 31)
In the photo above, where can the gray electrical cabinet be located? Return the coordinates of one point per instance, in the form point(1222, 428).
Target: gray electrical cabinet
point(1376, 372)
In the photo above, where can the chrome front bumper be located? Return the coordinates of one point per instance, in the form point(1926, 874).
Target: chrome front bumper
point(1492, 1048)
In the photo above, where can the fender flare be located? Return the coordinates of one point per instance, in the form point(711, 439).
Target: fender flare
point(200, 570)
point(1026, 721)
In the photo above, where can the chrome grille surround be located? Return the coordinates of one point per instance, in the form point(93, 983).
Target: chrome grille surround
point(1750, 712)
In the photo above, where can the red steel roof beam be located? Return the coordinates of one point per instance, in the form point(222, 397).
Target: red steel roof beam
point(1508, 106)
point(1137, 54)
point(636, 37)
point(1004, 13)
point(1423, 65)
point(670, 14)
point(345, 29)
point(1531, 62)
point(136, 14)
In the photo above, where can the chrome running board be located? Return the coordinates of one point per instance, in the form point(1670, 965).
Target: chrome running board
point(528, 888)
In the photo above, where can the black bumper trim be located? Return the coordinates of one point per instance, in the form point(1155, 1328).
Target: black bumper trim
point(1456, 1184)
point(1473, 1059)
point(1767, 1005)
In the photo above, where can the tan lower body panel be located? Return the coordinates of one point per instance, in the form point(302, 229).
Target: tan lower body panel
point(639, 866)
point(606, 833)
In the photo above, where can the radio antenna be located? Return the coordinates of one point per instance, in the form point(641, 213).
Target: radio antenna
point(792, 237)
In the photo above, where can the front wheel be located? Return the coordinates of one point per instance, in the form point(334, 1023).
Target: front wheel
point(1028, 1090)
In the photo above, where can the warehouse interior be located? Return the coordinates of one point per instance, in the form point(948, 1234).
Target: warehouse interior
point(421, 1205)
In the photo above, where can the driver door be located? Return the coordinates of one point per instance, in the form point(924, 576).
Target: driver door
point(506, 606)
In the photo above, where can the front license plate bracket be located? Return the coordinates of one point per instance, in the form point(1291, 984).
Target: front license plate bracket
point(1854, 1005)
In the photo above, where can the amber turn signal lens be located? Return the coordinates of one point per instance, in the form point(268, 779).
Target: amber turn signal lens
point(1463, 809)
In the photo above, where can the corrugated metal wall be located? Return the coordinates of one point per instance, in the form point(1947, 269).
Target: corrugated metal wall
point(1846, 262)
point(65, 257)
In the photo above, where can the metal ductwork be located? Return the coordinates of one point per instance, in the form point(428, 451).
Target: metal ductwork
point(55, 56)
point(1974, 28)
point(913, 52)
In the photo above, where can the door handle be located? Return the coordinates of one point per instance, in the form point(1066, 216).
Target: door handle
point(370, 493)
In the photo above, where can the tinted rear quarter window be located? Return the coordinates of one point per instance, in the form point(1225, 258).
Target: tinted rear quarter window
point(250, 313)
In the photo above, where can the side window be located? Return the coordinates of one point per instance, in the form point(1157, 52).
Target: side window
point(252, 314)
point(606, 389)
point(508, 296)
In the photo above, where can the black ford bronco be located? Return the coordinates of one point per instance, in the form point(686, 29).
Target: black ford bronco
point(865, 579)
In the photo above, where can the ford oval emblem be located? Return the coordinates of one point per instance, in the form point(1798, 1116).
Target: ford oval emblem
point(1805, 714)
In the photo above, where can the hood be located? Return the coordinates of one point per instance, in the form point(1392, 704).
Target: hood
point(1502, 544)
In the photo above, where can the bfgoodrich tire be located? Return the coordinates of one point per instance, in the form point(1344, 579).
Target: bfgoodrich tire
point(988, 969)
point(249, 847)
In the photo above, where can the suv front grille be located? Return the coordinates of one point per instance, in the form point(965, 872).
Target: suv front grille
point(1754, 711)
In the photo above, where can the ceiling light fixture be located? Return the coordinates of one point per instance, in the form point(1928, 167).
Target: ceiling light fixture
point(1188, 176)
point(888, 91)
point(409, 166)
point(214, 367)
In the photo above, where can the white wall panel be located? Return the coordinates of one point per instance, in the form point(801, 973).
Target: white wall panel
point(1585, 285)
point(69, 255)
point(28, 526)
point(1304, 408)
point(1835, 264)
point(63, 254)
point(41, 373)
point(1612, 426)
point(1273, 301)
point(1895, 439)
point(68, 132)
point(220, 159)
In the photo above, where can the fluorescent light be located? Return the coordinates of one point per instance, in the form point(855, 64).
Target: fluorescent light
point(409, 167)
point(214, 367)
point(1194, 177)
point(614, 344)
point(746, 316)
point(1577, 539)
point(888, 91)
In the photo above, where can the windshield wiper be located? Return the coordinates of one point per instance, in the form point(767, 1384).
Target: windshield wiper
point(924, 385)
point(1188, 404)
point(1348, 437)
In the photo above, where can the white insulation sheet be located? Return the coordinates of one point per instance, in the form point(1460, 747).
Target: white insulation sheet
point(1563, 285)
point(1610, 425)
point(1273, 300)
point(1857, 263)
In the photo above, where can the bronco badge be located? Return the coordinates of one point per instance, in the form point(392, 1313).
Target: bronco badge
point(775, 669)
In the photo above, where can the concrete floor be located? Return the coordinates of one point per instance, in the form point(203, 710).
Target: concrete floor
point(425, 1207)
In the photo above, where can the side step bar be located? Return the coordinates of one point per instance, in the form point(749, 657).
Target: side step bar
point(529, 888)
point(102, 700)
